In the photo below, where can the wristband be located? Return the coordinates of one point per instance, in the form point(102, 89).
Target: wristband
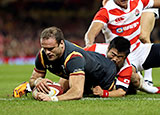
point(54, 98)
point(35, 82)
point(105, 93)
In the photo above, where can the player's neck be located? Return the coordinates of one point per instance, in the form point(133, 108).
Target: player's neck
point(122, 4)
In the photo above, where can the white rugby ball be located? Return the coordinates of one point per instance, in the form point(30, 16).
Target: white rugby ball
point(55, 90)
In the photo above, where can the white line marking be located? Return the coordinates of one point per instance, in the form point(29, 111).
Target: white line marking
point(10, 99)
point(90, 98)
point(123, 98)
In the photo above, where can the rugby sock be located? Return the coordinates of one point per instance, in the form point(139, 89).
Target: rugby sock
point(148, 75)
point(145, 87)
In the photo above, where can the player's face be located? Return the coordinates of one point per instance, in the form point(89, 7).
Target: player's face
point(52, 49)
point(122, 3)
point(117, 57)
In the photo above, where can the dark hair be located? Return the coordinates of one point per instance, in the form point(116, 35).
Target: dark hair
point(121, 44)
point(52, 32)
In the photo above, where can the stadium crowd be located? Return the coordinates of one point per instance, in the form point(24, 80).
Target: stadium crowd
point(22, 21)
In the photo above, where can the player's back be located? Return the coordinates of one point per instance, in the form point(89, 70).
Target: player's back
point(94, 61)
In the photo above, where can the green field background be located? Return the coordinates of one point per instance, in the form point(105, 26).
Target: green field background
point(12, 75)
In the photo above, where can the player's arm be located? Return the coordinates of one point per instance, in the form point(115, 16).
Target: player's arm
point(35, 76)
point(147, 26)
point(37, 80)
point(75, 91)
point(104, 2)
point(76, 84)
point(105, 93)
point(156, 4)
point(64, 84)
point(122, 84)
point(92, 32)
point(99, 22)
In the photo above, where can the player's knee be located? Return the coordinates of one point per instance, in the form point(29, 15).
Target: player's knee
point(144, 38)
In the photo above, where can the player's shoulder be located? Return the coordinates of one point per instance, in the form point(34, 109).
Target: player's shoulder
point(126, 69)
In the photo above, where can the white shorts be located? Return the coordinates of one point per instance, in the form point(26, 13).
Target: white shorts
point(155, 10)
point(139, 55)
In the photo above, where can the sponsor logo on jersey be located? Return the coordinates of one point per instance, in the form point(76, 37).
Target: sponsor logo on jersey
point(49, 66)
point(137, 12)
point(117, 20)
point(125, 28)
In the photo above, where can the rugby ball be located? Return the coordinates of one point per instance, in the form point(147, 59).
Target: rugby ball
point(55, 90)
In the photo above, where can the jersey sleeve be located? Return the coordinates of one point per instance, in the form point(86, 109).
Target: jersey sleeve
point(124, 77)
point(39, 63)
point(75, 63)
point(102, 16)
point(91, 48)
point(147, 3)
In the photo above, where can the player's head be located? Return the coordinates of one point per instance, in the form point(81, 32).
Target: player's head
point(118, 50)
point(52, 41)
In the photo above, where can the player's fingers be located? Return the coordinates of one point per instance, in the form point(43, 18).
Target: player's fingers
point(95, 93)
point(39, 96)
point(42, 88)
point(43, 97)
point(49, 81)
point(46, 86)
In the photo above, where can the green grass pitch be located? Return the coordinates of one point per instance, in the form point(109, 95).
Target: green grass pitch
point(12, 75)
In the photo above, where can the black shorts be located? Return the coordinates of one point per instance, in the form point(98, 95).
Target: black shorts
point(153, 59)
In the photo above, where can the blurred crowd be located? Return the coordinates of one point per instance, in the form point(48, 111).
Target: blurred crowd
point(21, 23)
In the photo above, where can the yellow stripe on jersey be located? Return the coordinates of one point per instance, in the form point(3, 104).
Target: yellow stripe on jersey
point(39, 71)
point(77, 45)
point(77, 73)
point(111, 86)
point(70, 56)
point(42, 60)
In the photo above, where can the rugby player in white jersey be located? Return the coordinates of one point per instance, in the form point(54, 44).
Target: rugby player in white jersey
point(122, 18)
point(147, 26)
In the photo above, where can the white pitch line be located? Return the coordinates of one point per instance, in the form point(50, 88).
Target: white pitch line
point(10, 99)
point(90, 98)
point(123, 98)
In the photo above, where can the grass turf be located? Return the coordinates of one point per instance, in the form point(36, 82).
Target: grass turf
point(12, 75)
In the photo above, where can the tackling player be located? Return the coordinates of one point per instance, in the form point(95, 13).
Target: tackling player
point(117, 52)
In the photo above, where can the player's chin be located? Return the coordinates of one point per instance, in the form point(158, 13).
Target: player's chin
point(52, 58)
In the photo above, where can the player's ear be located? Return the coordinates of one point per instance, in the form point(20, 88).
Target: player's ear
point(61, 43)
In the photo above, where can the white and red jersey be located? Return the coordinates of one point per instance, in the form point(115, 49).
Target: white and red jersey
point(123, 22)
point(124, 75)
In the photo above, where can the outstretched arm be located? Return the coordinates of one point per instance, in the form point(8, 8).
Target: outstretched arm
point(75, 91)
point(37, 80)
point(92, 32)
point(105, 93)
point(76, 84)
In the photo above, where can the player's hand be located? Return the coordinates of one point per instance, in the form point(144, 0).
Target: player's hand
point(42, 86)
point(98, 91)
point(43, 97)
